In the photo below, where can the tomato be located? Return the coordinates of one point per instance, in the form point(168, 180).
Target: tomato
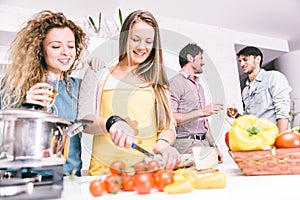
point(127, 182)
point(117, 167)
point(163, 178)
point(227, 139)
point(153, 165)
point(140, 167)
point(97, 188)
point(287, 140)
point(113, 183)
point(143, 182)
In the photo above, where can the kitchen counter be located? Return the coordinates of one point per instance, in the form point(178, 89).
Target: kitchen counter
point(238, 187)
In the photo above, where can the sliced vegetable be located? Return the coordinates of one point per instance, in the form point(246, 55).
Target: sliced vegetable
point(177, 187)
point(213, 180)
point(182, 174)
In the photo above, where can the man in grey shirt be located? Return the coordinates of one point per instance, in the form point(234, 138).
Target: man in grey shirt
point(267, 93)
point(188, 103)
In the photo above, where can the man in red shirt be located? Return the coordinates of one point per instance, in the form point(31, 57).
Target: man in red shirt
point(188, 103)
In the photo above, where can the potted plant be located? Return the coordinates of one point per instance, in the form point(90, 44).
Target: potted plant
point(93, 26)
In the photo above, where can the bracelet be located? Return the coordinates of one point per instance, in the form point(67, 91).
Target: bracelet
point(111, 120)
point(213, 145)
point(163, 139)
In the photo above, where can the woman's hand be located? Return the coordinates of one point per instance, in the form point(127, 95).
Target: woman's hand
point(220, 156)
point(121, 134)
point(170, 155)
point(96, 64)
point(38, 94)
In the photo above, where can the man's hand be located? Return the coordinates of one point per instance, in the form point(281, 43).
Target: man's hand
point(210, 109)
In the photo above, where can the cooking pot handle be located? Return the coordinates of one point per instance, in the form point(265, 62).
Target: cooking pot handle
point(78, 126)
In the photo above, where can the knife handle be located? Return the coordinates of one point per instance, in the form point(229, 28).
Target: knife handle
point(133, 145)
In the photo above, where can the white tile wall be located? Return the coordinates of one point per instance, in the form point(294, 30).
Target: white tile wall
point(218, 44)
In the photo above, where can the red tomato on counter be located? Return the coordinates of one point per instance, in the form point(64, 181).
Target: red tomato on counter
point(143, 182)
point(117, 167)
point(287, 140)
point(140, 167)
point(163, 178)
point(113, 183)
point(227, 139)
point(153, 165)
point(127, 182)
point(97, 188)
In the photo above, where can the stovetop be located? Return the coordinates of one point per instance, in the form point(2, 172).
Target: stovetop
point(43, 182)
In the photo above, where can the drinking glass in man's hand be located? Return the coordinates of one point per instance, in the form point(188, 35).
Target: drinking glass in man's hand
point(232, 112)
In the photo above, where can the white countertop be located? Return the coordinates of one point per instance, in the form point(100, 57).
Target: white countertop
point(238, 187)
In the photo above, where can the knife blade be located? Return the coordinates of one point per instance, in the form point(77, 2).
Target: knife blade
point(142, 150)
point(78, 126)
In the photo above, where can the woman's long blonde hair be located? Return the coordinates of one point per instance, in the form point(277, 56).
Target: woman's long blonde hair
point(27, 63)
point(152, 70)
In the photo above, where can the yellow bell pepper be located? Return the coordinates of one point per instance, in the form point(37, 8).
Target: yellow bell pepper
point(180, 186)
point(212, 180)
point(251, 133)
point(182, 174)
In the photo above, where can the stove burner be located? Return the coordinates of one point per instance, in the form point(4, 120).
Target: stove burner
point(42, 182)
point(14, 182)
point(10, 187)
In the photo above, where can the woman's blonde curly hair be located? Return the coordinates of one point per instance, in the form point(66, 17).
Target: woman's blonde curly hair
point(27, 63)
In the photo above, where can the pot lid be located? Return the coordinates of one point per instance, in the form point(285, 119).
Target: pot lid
point(20, 114)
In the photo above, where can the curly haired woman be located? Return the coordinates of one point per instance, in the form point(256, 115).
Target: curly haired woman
point(49, 43)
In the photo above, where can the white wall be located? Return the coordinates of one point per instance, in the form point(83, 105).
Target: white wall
point(219, 43)
point(289, 65)
point(221, 70)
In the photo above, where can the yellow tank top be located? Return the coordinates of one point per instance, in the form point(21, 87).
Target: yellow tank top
point(137, 106)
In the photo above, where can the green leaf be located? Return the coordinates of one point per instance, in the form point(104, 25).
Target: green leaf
point(92, 23)
point(253, 130)
point(120, 17)
point(99, 27)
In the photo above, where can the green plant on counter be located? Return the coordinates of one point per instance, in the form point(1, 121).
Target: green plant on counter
point(92, 24)
point(293, 113)
point(71, 176)
point(120, 17)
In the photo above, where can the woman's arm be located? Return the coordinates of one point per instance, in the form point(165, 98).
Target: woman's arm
point(98, 125)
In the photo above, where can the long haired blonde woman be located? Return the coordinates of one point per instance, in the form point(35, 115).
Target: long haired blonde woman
point(132, 103)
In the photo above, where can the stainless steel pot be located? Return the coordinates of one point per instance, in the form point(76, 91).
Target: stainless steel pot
point(32, 134)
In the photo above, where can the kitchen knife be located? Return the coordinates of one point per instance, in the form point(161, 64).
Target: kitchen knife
point(142, 150)
point(78, 126)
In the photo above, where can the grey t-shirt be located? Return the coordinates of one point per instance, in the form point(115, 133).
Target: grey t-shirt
point(268, 96)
